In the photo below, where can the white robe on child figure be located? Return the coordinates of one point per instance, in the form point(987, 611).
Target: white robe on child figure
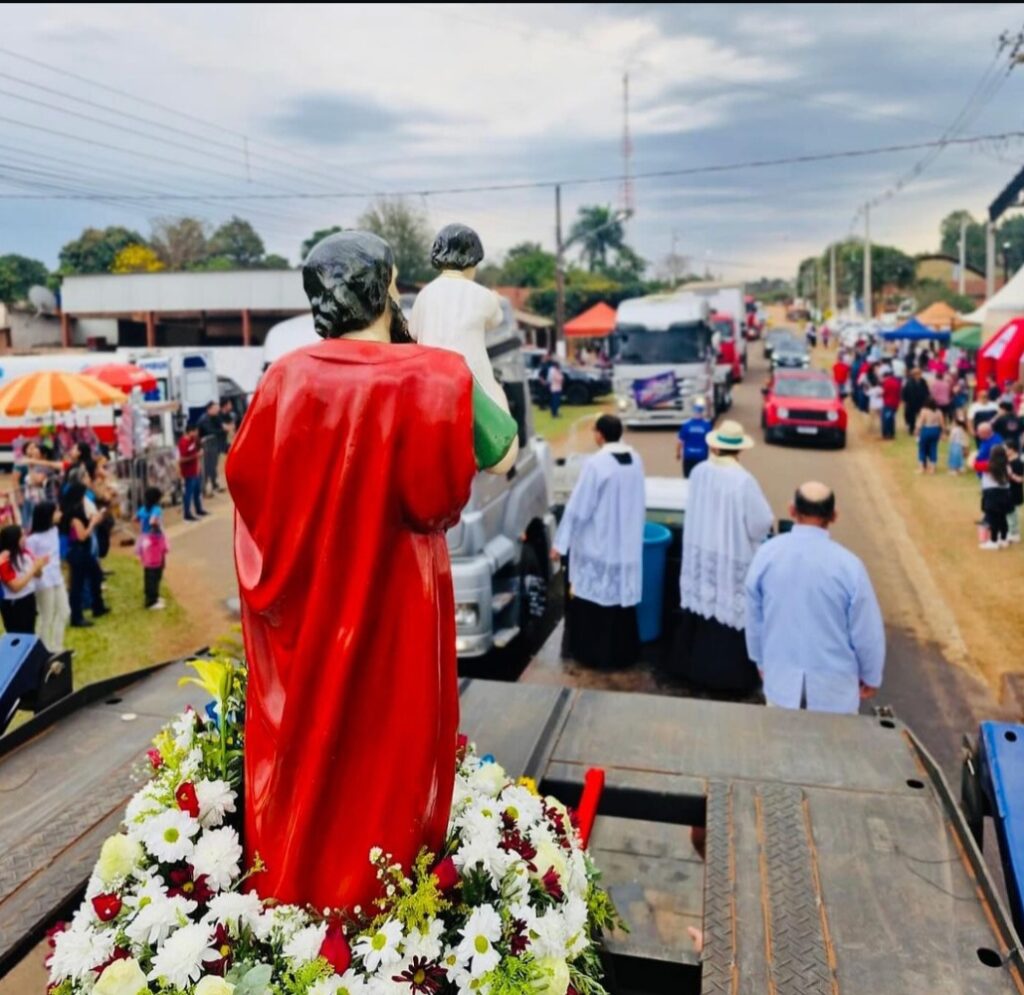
point(454, 312)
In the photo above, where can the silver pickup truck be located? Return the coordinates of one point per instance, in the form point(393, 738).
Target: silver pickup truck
point(499, 548)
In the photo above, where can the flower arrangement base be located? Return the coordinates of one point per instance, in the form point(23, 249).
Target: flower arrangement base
point(512, 904)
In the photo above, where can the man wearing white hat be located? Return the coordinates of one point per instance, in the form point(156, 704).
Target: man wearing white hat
point(727, 519)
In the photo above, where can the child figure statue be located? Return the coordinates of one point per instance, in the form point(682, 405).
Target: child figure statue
point(454, 311)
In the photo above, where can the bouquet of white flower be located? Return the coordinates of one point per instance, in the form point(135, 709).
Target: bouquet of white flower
point(512, 905)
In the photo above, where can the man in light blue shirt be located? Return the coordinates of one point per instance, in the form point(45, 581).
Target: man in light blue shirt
point(814, 627)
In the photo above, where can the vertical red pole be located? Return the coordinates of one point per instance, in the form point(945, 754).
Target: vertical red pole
point(65, 329)
point(593, 787)
point(246, 327)
point(150, 330)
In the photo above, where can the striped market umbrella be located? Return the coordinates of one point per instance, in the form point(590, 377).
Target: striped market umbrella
point(123, 376)
point(40, 393)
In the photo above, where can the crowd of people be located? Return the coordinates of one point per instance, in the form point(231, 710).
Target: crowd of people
point(934, 389)
point(67, 506)
point(744, 628)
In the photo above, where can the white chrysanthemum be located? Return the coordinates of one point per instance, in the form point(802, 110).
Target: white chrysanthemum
point(157, 918)
point(482, 931)
point(481, 820)
point(515, 886)
point(305, 945)
point(234, 909)
point(524, 807)
point(217, 854)
point(483, 851)
point(216, 799)
point(183, 729)
point(279, 924)
point(144, 804)
point(381, 948)
point(547, 934)
point(180, 960)
point(76, 952)
point(488, 779)
point(349, 983)
point(424, 944)
point(468, 983)
point(191, 765)
point(574, 914)
point(168, 836)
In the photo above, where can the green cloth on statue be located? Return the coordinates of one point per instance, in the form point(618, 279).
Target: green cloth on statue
point(494, 429)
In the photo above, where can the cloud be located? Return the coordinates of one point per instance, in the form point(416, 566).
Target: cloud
point(336, 119)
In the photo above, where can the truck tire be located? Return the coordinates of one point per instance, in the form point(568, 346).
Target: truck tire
point(577, 394)
point(533, 590)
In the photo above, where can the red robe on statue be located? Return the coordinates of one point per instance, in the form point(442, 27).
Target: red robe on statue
point(352, 460)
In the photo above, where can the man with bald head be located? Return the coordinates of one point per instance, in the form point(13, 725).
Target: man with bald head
point(814, 627)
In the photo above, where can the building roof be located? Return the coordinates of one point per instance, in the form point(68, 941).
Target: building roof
point(278, 290)
point(952, 260)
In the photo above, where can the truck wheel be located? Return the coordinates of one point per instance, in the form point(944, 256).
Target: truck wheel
point(533, 591)
point(577, 394)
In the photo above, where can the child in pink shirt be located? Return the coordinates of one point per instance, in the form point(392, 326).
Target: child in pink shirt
point(152, 548)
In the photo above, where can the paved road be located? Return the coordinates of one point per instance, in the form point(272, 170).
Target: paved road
point(938, 699)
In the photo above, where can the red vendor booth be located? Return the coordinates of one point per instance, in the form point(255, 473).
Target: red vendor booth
point(999, 358)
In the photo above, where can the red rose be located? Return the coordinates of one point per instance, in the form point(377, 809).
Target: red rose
point(187, 799)
point(335, 949)
point(106, 907)
point(446, 874)
point(155, 759)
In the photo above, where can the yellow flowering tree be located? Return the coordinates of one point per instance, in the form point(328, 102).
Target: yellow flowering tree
point(136, 258)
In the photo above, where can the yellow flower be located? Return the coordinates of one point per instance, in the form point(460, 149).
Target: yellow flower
point(214, 677)
point(555, 978)
point(211, 985)
point(118, 857)
point(123, 977)
point(530, 784)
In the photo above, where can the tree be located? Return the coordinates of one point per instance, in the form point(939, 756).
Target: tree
point(319, 234)
point(1012, 231)
point(949, 230)
point(628, 266)
point(596, 230)
point(137, 259)
point(528, 265)
point(274, 261)
point(95, 249)
point(927, 292)
point(236, 240)
point(180, 242)
point(406, 230)
point(18, 274)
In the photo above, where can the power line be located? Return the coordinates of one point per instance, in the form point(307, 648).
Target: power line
point(589, 180)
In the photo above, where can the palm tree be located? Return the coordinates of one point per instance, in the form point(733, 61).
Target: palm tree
point(597, 229)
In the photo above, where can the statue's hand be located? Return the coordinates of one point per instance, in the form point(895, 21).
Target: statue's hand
point(495, 433)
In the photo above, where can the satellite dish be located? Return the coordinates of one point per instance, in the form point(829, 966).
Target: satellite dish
point(43, 300)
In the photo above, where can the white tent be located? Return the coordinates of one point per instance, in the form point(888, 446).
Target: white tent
point(1001, 307)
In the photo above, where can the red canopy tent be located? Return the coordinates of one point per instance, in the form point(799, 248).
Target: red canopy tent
point(999, 358)
point(596, 322)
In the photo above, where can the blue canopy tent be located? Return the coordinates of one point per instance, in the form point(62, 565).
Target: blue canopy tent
point(915, 331)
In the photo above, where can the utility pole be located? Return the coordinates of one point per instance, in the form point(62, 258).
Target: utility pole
point(675, 260)
point(559, 271)
point(628, 205)
point(990, 258)
point(833, 300)
point(868, 309)
point(963, 255)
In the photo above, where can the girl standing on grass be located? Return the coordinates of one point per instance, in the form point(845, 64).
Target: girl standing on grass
point(152, 549)
point(996, 500)
point(51, 594)
point(18, 575)
point(929, 430)
point(959, 444)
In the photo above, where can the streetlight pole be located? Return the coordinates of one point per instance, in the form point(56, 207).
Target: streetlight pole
point(868, 309)
point(833, 301)
point(559, 271)
point(1006, 262)
point(963, 255)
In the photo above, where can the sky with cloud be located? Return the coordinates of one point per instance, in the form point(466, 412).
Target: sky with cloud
point(197, 103)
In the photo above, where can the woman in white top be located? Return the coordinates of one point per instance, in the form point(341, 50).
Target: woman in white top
point(18, 573)
point(51, 593)
point(727, 519)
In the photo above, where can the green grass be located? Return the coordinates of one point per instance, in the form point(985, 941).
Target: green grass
point(130, 637)
point(556, 429)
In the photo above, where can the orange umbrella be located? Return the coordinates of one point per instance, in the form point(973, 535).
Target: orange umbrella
point(123, 376)
point(39, 393)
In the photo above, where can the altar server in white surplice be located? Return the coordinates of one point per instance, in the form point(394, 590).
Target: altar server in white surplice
point(602, 530)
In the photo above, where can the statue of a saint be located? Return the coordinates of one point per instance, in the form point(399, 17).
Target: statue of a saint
point(354, 457)
point(454, 311)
